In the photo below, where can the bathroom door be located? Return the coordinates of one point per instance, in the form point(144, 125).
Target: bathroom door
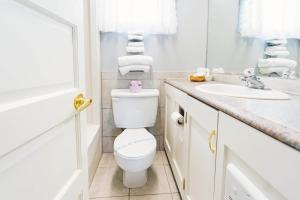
point(42, 136)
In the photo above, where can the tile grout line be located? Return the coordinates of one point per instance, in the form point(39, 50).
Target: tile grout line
point(148, 194)
point(105, 197)
point(166, 174)
point(112, 196)
point(129, 193)
point(168, 166)
point(159, 194)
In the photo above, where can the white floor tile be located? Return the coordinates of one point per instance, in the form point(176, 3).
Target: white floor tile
point(107, 160)
point(108, 182)
point(157, 182)
point(158, 158)
point(176, 196)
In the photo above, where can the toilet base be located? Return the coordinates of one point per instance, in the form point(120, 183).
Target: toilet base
point(134, 179)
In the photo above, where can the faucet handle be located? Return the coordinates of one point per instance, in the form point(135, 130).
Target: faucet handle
point(243, 78)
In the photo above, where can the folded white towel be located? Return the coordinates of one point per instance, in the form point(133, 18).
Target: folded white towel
point(135, 44)
point(277, 53)
point(274, 70)
point(276, 48)
point(135, 37)
point(277, 42)
point(134, 68)
point(277, 62)
point(135, 60)
point(135, 49)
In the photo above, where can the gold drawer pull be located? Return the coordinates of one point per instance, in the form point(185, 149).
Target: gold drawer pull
point(210, 138)
point(80, 103)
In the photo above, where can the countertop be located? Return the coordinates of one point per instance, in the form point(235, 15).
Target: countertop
point(279, 119)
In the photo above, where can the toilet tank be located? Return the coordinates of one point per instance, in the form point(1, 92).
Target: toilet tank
point(134, 110)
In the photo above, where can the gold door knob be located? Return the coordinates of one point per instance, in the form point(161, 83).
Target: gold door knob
point(80, 103)
point(210, 138)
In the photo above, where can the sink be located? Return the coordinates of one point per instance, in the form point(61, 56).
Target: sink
point(241, 91)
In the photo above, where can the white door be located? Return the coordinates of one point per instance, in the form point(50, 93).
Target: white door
point(42, 137)
point(202, 125)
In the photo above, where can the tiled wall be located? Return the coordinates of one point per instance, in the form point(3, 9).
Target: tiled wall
point(113, 80)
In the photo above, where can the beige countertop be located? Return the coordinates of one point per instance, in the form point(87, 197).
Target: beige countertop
point(279, 119)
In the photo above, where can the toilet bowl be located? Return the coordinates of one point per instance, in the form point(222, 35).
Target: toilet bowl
point(135, 147)
point(134, 151)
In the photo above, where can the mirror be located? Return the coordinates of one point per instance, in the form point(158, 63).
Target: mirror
point(240, 37)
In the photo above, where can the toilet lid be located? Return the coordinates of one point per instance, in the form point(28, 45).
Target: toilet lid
point(135, 143)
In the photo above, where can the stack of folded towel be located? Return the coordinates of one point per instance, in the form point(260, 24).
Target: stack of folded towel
point(135, 61)
point(275, 62)
point(276, 48)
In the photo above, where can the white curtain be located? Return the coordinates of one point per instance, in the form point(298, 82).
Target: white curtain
point(138, 16)
point(270, 19)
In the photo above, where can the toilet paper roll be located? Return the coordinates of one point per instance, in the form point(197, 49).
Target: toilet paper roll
point(177, 118)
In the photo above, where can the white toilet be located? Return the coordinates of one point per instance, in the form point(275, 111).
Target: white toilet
point(135, 147)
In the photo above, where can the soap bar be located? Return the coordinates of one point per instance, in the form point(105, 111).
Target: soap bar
point(195, 78)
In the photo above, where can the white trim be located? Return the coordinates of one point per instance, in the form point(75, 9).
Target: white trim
point(92, 131)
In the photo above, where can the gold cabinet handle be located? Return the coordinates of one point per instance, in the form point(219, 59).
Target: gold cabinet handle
point(80, 103)
point(210, 138)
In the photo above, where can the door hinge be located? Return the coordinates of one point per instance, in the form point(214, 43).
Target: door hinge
point(185, 117)
point(183, 184)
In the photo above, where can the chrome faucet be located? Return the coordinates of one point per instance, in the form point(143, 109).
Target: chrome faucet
point(251, 80)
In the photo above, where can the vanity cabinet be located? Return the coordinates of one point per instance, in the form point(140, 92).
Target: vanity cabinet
point(202, 133)
point(214, 156)
point(191, 147)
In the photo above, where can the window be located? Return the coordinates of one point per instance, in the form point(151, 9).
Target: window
point(138, 16)
point(270, 19)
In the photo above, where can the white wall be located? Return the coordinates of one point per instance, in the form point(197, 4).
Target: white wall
point(93, 87)
point(226, 48)
point(184, 51)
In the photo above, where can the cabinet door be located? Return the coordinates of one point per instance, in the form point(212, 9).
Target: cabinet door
point(202, 126)
point(266, 166)
point(175, 134)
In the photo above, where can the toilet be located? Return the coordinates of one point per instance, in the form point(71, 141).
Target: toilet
point(135, 147)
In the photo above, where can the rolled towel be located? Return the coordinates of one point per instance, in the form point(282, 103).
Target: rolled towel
point(135, 44)
point(274, 70)
point(276, 48)
point(276, 42)
point(135, 60)
point(135, 49)
point(277, 62)
point(277, 53)
point(134, 68)
point(135, 37)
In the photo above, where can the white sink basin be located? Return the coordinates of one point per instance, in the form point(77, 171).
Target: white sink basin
point(241, 91)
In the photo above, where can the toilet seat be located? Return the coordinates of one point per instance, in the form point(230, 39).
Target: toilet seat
point(135, 144)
